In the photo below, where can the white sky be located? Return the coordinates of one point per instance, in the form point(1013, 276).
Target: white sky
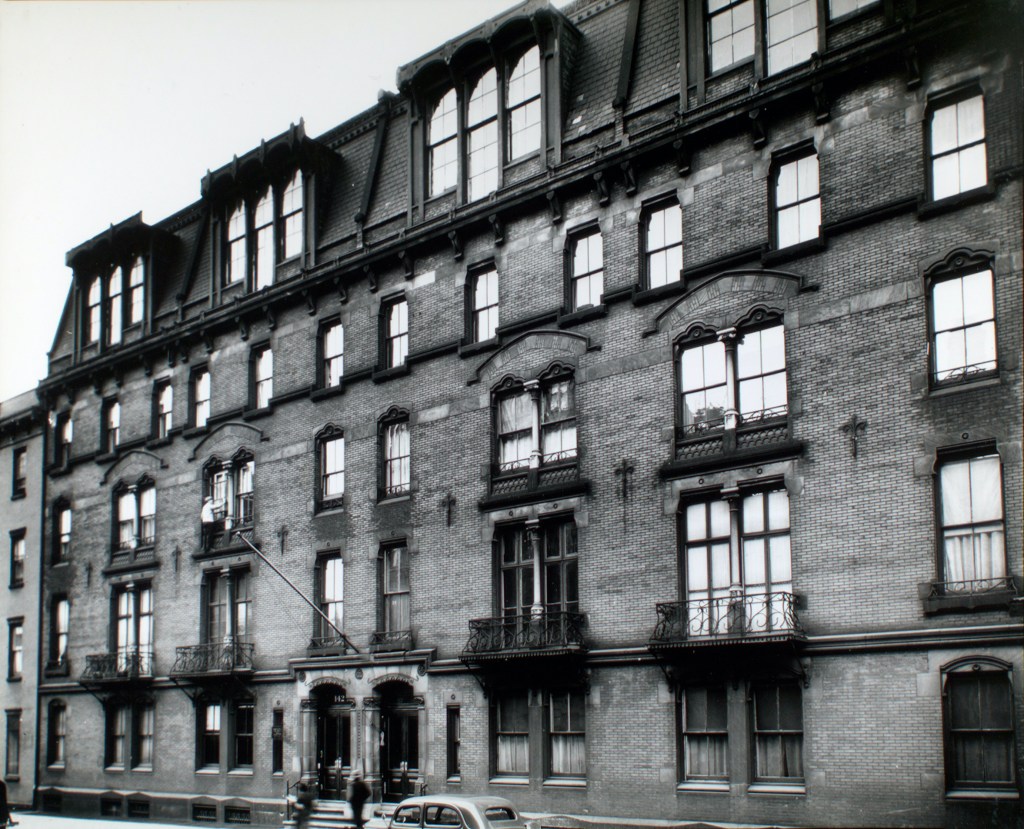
point(109, 108)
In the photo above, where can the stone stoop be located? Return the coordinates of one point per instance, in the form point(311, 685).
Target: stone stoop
point(331, 814)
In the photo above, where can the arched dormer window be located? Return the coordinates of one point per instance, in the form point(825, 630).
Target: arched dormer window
point(443, 144)
point(523, 121)
point(234, 269)
point(263, 239)
point(93, 311)
point(482, 123)
point(292, 217)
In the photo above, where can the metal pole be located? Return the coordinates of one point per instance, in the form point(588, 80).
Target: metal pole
point(302, 595)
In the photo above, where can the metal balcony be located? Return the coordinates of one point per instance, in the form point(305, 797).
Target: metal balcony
point(118, 667)
point(213, 658)
point(550, 634)
point(745, 618)
point(383, 641)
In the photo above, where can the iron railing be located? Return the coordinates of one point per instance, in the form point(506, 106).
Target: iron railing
point(122, 665)
point(216, 657)
point(559, 630)
point(975, 587)
point(735, 617)
point(391, 640)
point(326, 645)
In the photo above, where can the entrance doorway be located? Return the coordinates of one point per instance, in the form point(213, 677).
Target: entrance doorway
point(333, 741)
point(400, 740)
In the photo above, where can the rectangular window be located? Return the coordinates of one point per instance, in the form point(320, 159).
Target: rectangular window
point(118, 715)
point(111, 425)
point(567, 734)
point(114, 284)
point(136, 517)
point(144, 727)
point(277, 742)
point(512, 734)
point(730, 33)
point(963, 327)
point(396, 333)
point(224, 621)
point(485, 306)
point(705, 394)
point(15, 648)
point(959, 162)
point(263, 377)
point(263, 234)
point(332, 344)
point(397, 478)
point(134, 631)
point(200, 398)
point(291, 216)
point(587, 276)
point(60, 625)
point(63, 435)
point(395, 563)
point(136, 292)
point(797, 202)
point(979, 730)
point(62, 549)
point(792, 33)
point(454, 731)
point(778, 734)
point(243, 716)
point(57, 729)
point(761, 374)
point(19, 467)
point(163, 409)
point(147, 516)
point(559, 578)
point(332, 597)
point(12, 748)
point(705, 737)
point(209, 735)
point(971, 505)
point(17, 558)
point(332, 470)
point(663, 245)
point(515, 425)
point(841, 8)
point(234, 270)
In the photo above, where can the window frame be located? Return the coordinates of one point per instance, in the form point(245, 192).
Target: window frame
point(389, 487)
point(326, 361)
point(395, 595)
point(132, 631)
point(709, 17)
point(779, 733)
point(63, 428)
point(56, 733)
point(706, 734)
point(19, 472)
point(139, 492)
point(793, 156)
point(960, 265)
point(12, 744)
point(453, 741)
point(975, 452)
point(261, 386)
point(110, 426)
point(15, 648)
point(975, 669)
point(577, 236)
point(509, 109)
point(326, 436)
point(231, 471)
point(208, 739)
point(394, 339)
point(860, 7)
point(474, 329)
point(62, 537)
point(242, 755)
point(497, 732)
point(60, 629)
point(196, 404)
point(326, 601)
point(941, 101)
point(767, 42)
point(550, 734)
point(163, 409)
point(658, 207)
point(19, 557)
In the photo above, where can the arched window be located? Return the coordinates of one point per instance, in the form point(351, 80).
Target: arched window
point(291, 217)
point(442, 144)
point(523, 103)
point(263, 229)
point(234, 270)
point(482, 123)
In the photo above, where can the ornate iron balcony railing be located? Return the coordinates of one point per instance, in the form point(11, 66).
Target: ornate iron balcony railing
point(747, 617)
point(1001, 584)
point(391, 640)
point(115, 666)
point(216, 657)
point(556, 631)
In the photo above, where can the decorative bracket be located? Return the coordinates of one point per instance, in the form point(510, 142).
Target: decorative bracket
point(628, 177)
point(243, 327)
point(310, 298)
point(207, 341)
point(822, 105)
point(340, 288)
point(453, 237)
point(555, 206)
point(498, 227)
point(913, 68)
point(683, 156)
point(271, 317)
point(604, 195)
point(405, 260)
point(371, 277)
point(147, 366)
point(758, 128)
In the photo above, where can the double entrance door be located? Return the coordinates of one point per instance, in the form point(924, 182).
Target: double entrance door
point(333, 749)
point(399, 748)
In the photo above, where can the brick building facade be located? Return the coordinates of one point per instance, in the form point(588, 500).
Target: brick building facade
point(22, 434)
point(636, 394)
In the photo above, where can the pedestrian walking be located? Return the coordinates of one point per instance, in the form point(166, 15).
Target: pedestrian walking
point(304, 804)
point(5, 810)
point(358, 794)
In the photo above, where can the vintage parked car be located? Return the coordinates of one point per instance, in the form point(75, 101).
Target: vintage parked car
point(449, 811)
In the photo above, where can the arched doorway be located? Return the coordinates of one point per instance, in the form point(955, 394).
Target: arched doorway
point(333, 740)
point(399, 740)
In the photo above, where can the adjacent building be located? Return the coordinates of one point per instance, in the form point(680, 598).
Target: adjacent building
point(22, 436)
point(636, 397)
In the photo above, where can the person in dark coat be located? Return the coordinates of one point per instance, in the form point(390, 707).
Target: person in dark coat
point(358, 794)
point(5, 811)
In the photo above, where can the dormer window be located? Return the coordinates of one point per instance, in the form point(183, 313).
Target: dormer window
point(92, 334)
point(501, 114)
point(114, 307)
point(262, 230)
point(136, 292)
